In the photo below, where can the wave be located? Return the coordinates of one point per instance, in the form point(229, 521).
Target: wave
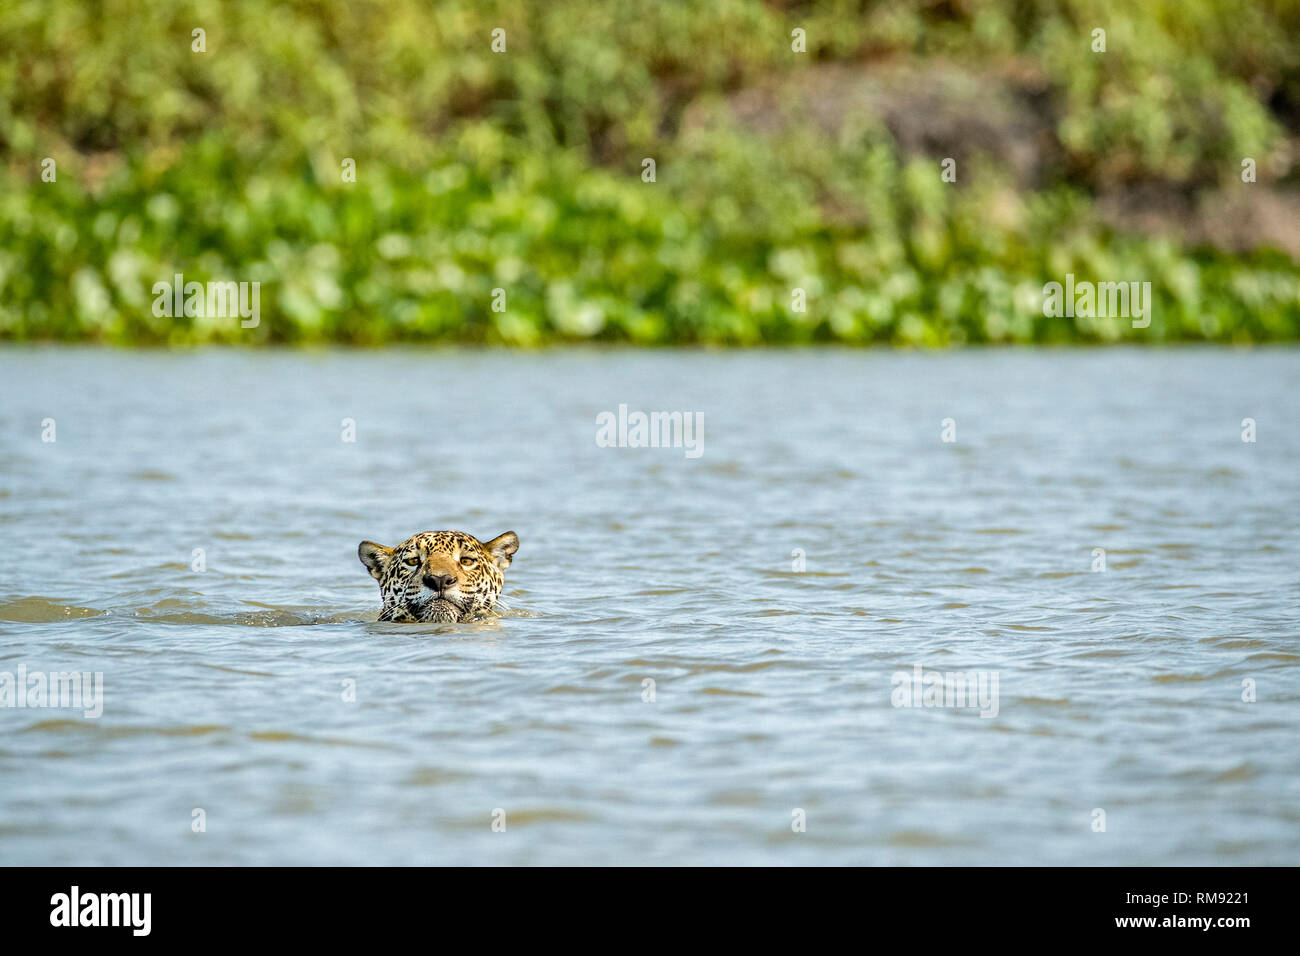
point(192, 609)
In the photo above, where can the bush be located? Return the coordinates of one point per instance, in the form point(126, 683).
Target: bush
point(522, 171)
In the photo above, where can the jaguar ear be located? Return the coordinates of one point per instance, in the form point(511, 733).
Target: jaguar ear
point(375, 557)
point(502, 547)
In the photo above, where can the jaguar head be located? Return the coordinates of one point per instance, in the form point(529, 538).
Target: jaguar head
point(439, 575)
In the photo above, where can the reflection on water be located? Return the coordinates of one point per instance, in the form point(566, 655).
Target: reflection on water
point(698, 651)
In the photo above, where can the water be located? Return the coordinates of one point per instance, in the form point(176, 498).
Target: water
point(224, 690)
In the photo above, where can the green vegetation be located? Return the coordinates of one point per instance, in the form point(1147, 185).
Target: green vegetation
point(522, 170)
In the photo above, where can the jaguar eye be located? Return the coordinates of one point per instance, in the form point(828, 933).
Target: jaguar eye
point(412, 561)
point(467, 561)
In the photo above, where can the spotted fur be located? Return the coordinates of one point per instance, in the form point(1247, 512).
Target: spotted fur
point(439, 575)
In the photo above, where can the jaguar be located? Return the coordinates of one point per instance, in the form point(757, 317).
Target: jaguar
point(439, 576)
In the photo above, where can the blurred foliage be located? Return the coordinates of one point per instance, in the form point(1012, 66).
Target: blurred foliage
point(521, 170)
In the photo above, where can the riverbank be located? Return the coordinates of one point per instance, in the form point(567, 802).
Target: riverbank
point(910, 174)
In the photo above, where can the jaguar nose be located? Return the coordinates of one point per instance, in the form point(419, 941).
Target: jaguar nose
point(439, 582)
